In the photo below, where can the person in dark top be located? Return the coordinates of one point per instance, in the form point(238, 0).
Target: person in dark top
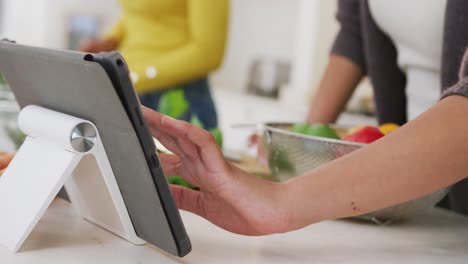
point(409, 52)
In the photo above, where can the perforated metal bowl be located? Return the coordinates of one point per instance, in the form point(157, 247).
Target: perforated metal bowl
point(292, 154)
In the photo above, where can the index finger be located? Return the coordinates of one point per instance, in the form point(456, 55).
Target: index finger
point(152, 117)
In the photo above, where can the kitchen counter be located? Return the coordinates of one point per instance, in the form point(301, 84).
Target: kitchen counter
point(439, 237)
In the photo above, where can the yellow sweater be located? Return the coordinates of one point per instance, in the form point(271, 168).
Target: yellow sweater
point(171, 42)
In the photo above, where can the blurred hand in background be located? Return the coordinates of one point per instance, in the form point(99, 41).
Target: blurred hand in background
point(99, 45)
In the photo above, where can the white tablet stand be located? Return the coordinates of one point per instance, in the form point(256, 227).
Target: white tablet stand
point(59, 149)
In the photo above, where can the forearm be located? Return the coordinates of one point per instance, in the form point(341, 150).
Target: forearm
point(338, 84)
point(423, 156)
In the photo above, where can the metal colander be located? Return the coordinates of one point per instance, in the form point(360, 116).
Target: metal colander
point(292, 154)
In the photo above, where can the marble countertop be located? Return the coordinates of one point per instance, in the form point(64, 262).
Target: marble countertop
point(438, 237)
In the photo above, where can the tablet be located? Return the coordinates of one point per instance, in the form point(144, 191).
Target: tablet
point(97, 87)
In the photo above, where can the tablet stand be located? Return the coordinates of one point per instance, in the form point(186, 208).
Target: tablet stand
point(59, 149)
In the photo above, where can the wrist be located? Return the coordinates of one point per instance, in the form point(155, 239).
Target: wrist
point(285, 203)
point(264, 204)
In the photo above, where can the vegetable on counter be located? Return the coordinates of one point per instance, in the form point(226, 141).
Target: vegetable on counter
point(369, 134)
point(300, 128)
point(388, 128)
point(5, 159)
point(316, 130)
point(177, 180)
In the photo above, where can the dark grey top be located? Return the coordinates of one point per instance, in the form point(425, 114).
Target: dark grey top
point(364, 43)
point(461, 88)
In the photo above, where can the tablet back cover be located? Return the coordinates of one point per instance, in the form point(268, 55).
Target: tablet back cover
point(65, 82)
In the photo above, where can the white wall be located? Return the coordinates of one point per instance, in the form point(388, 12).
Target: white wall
point(45, 22)
point(258, 28)
point(300, 31)
point(106, 10)
point(24, 20)
point(305, 43)
point(325, 35)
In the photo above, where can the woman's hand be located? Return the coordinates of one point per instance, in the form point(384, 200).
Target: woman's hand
point(228, 197)
point(95, 46)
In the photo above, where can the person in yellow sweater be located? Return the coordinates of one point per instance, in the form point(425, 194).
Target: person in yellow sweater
point(171, 44)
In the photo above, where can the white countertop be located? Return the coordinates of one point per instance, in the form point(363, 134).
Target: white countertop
point(63, 237)
point(440, 237)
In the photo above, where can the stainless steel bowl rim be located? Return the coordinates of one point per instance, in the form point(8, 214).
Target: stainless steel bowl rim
point(322, 139)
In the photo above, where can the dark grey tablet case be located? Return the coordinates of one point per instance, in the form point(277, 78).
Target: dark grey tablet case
point(65, 82)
